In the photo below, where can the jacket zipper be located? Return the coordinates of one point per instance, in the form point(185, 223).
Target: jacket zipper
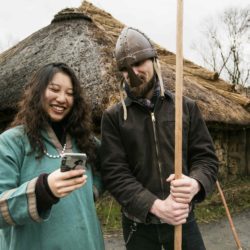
point(157, 151)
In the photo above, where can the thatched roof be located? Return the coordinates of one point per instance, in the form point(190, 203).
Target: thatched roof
point(85, 39)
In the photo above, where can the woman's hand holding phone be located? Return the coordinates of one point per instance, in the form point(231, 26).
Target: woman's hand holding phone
point(62, 184)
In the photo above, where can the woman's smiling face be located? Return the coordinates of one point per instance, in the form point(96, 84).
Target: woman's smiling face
point(58, 97)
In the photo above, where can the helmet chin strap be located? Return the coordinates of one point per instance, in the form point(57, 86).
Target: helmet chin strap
point(125, 115)
point(157, 68)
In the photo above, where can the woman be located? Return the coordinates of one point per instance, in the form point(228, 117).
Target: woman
point(40, 206)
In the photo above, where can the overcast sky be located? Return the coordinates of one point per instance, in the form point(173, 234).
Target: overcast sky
point(157, 18)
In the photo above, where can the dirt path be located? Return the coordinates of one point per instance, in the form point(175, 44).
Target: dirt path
point(216, 235)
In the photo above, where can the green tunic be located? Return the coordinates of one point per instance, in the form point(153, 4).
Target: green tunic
point(71, 224)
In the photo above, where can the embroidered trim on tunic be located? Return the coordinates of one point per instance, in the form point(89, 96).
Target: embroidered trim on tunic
point(32, 207)
point(4, 209)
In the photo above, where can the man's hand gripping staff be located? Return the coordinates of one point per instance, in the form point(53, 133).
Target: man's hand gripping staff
point(174, 209)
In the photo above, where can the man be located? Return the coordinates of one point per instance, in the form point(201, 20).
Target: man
point(138, 153)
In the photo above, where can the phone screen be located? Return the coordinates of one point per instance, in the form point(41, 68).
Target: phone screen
point(72, 161)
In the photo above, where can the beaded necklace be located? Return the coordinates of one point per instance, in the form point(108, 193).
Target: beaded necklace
point(55, 156)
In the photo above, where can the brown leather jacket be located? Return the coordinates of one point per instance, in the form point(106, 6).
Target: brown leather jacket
point(137, 155)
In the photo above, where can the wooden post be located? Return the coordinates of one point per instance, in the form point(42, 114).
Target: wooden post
point(178, 109)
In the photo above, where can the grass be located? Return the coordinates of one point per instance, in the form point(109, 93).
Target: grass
point(237, 196)
point(109, 212)
point(236, 192)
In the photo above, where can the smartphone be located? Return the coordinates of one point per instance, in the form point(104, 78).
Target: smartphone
point(72, 161)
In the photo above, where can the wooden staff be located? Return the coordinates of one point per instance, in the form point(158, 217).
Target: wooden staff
point(236, 238)
point(178, 109)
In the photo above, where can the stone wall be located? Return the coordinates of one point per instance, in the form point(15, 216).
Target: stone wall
point(233, 151)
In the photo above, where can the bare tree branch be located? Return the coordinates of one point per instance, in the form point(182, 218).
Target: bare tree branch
point(223, 45)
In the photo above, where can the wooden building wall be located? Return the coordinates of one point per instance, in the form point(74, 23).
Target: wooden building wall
point(233, 151)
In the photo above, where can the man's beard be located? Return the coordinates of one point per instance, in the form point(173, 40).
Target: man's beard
point(143, 89)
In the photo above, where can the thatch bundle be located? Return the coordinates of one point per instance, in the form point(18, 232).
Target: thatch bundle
point(85, 39)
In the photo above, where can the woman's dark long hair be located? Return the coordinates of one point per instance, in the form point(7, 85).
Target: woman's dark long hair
point(34, 118)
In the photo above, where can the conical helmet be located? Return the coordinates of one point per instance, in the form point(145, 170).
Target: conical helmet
point(132, 47)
